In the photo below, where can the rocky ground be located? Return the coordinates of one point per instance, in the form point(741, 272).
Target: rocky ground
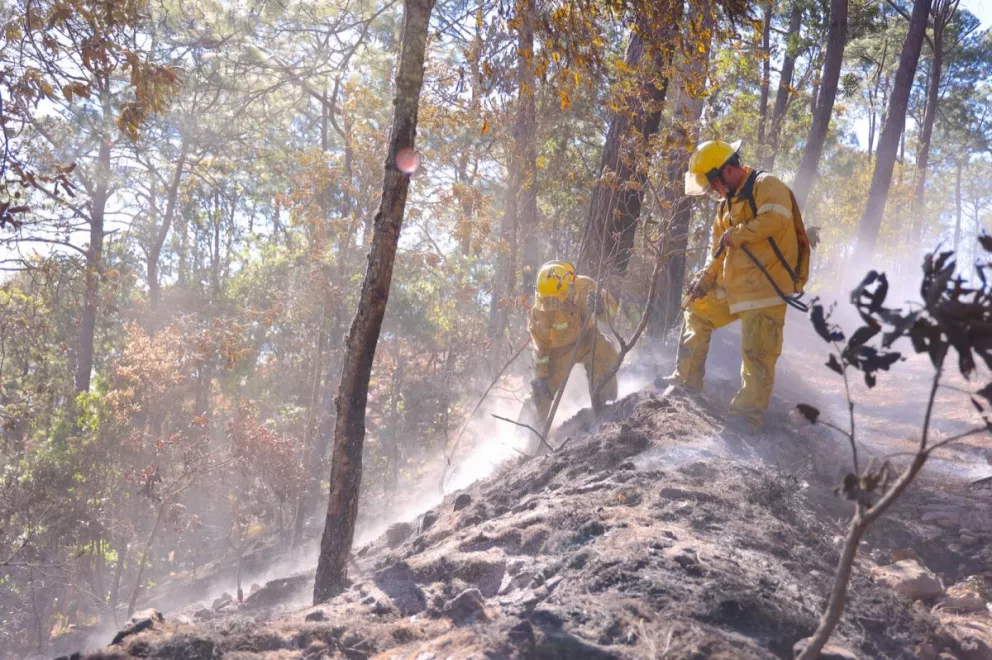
point(657, 534)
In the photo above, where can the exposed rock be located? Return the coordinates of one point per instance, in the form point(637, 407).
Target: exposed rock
point(316, 615)
point(281, 591)
point(467, 606)
point(462, 501)
point(141, 621)
point(828, 653)
point(255, 586)
point(203, 614)
point(909, 579)
point(222, 601)
point(905, 553)
point(968, 539)
point(398, 582)
point(428, 521)
point(398, 533)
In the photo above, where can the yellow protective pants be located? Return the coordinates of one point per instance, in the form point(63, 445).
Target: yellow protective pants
point(595, 365)
point(761, 345)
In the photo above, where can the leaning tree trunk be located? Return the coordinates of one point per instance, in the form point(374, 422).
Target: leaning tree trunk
point(615, 207)
point(824, 106)
point(888, 142)
point(942, 14)
point(679, 145)
point(520, 205)
point(349, 431)
point(784, 92)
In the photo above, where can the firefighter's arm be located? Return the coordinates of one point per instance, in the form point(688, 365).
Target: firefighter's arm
point(774, 213)
point(542, 347)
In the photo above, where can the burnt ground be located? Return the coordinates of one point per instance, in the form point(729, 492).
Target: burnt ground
point(656, 533)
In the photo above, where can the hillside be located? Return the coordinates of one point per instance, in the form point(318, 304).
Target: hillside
point(658, 533)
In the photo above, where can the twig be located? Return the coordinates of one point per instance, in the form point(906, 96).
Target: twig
point(526, 426)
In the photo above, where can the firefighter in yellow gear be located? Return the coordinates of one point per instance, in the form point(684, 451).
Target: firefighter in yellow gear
point(759, 264)
point(562, 316)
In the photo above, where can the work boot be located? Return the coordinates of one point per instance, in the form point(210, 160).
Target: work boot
point(742, 426)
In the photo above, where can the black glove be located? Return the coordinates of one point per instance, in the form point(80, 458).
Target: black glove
point(540, 388)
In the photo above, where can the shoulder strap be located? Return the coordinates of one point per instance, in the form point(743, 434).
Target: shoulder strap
point(747, 191)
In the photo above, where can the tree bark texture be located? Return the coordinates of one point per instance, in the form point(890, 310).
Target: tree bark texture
point(824, 105)
point(94, 268)
point(518, 224)
point(943, 10)
point(679, 145)
point(350, 403)
point(784, 93)
point(888, 141)
point(615, 207)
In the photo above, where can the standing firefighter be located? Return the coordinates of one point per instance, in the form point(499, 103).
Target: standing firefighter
point(562, 316)
point(760, 264)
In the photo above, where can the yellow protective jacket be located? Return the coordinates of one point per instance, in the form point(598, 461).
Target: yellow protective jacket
point(777, 218)
point(555, 331)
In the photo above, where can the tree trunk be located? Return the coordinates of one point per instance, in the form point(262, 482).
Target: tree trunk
point(308, 493)
point(836, 40)
point(144, 559)
point(616, 201)
point(943, 11)
point(766, 71)
point(115, 587)
point(679, 145)
point(525, 138)
point(888, 142)
point(958, 165)
point(161, 233)
point(94, 268)
point(784, 93)
point(349, 431)
point(518, 225)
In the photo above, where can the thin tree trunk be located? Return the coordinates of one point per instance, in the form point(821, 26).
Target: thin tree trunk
point(827, 93)
point(615, 207)
point(308, 493)
point(888, 142)
point(161, 233)
point(144, 559)
point(943, 11)
point(525, 134)
point(115, 587)
point(766, 71)
point(520, 206)
point(349, 431)
point(94, 268)
point(679, 145)
point(784, 93)
point(874, 100)
point(958, 165)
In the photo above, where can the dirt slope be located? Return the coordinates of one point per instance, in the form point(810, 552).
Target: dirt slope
point(658, 534)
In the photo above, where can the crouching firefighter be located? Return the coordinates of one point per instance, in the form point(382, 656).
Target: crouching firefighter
point(562, 320)
point(759, 265)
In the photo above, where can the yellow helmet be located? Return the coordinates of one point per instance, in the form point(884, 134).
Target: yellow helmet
point(705, 162)
point(554, 281)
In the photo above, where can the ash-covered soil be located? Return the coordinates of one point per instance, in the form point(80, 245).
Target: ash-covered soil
point(656, 534)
